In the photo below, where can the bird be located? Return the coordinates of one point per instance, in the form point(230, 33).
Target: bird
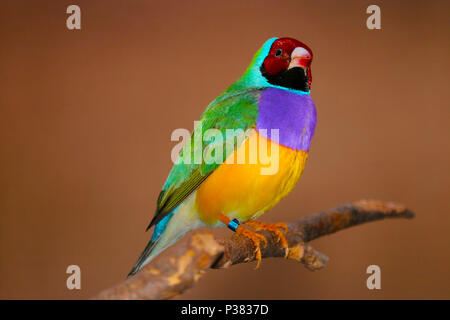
point(271, 115)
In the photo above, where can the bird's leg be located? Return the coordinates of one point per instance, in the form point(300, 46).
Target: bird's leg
point(255, 237)
point(275, 228)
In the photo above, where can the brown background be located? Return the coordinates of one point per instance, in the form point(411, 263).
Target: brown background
point(86, 118)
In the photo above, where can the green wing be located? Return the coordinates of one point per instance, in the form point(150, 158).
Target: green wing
point(231, 110)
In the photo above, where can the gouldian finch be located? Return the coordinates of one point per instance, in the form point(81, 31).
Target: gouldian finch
point(271, 104)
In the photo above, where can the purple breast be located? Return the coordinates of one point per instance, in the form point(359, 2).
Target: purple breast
point(292, 114)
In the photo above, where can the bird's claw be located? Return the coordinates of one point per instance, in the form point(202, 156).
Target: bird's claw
point(275, 228)
point(256, 239)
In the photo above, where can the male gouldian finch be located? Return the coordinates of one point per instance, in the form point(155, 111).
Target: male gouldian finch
point(226, 179)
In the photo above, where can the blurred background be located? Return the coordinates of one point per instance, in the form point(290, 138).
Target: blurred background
point(86, 118)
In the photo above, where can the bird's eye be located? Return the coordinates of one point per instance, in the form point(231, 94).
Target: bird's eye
point(278, 52)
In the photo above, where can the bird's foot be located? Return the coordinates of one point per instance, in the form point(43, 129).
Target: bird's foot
point(275, 228)
point(256, 238)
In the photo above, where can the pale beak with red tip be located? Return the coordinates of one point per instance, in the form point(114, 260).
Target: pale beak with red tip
point(300, 57)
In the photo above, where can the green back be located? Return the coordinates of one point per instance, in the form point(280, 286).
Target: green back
point(236, 108)
point(229, 111)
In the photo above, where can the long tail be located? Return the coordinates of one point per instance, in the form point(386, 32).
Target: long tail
point(149, 251)
point(168, 231)
point(143, 258)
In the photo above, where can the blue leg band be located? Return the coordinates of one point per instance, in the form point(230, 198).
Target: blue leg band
point(233, 224)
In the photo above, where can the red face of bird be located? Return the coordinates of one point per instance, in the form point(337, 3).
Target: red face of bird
point(288, 64)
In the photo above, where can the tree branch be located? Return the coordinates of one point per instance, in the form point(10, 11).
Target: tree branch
point(178, 269)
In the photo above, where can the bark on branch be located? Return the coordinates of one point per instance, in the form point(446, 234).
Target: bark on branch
point(183, 264)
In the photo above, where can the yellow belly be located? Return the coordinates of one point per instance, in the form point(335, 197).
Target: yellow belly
point(243, 189)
